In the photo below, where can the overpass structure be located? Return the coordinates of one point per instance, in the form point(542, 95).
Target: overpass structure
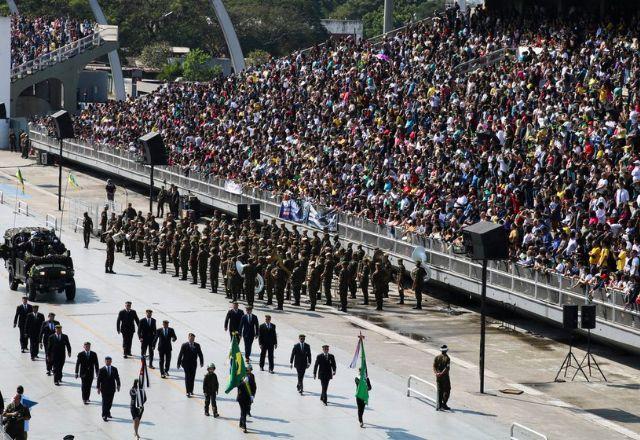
point(537, 294)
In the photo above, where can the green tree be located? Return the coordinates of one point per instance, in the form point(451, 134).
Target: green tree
point(196, 66)
point(258, 57)
point(170, 71)
point(155, 55)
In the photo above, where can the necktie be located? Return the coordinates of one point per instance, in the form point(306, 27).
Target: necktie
point(51, 325)
point(87, 354)
point(109, 370)
point(149, 321)
point(326, 356)
point(165, 332)
point(301, 347)
point(191, 345)
point(58, 337)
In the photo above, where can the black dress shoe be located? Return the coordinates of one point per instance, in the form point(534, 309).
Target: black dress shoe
point(417, 308)
point(105, 419)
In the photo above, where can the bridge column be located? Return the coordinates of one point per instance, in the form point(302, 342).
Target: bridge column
point(70, 92)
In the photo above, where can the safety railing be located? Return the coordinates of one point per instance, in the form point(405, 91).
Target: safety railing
point(419, 393)
point(100, 35)
point(1, 198)
point(78, 224)
point(51, 222)
point(22, 207)
point(548, 288)
point(530, 433)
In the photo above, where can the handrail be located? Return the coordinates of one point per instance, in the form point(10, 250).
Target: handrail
point(78, 224)
point(50, 221)
point(22, 207)
point(58, 55)
point(529, 430)
point(414, 391)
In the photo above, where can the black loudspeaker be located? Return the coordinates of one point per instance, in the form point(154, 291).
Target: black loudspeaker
point(64, 125)
point(3, 111)
point(570, 316)
point(154, 151)
point(254, 209)
point(486, 241)
point(588, 316)
point(243, 211)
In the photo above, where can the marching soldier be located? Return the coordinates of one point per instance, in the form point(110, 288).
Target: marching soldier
point(269, 281)
point(280, 282)
point(401, 275)
point(175, 255)
point(162, 253)
point(365, 270)
point(419, 274)
point(193, 260)
point(327, 278)
point(344, 277)
point(147, 247)
point(214, 269)
point(140, 242)
point(314, 280)
point(203, 260)
point(111, 254)
point(133, 246)
point(353, 276)
point(185, 251)
point(155, 242)
point(441, 367)
point(249, 273)
point(378, 279)
point(297, 279)
point(235, 280)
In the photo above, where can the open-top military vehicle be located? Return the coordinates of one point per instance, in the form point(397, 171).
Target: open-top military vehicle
point(35, 257)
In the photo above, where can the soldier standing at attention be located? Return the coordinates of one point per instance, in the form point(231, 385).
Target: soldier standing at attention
point(378, 278)
point(184, 258)
point(297, 279)
point(365, 270)
point(249, 273)
point(419, 274)
point(327, 279)
point(162, 253)
point(203, 260)
point(87, 227)
point(400, 277)
point(193, 261)
point(344, 278)
point(175, 255)
point(313, 281)
point(441, 367)
point(155, 241)
point(111, 254)
point(214, 269)
point(280, 282)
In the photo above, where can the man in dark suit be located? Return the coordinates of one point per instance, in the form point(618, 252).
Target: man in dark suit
point(48, 328)
point(164, 337)
point(190, 352)
point(301, 358)
point(324, 369)
point(19, 320)
point(86, 364)
point(246, 393)
point(147, 334)
point(268, 340)
point(57, 344)
point(32, 326)
point(108, 383)
point(248, 330)
point(126, 324)
point(232, 320)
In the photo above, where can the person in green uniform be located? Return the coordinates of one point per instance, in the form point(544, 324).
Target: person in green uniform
point(441, 367)
point(419, 274)
point(203, 260)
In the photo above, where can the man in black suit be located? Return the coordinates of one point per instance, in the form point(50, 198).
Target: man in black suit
point(86, 364)
point(190, 352)
point(147, 334)
point(324, 369)
point(164, 337)
point(232, 320)
point(268, 340)
point(248, 330)
point(301, 358)
point(57, 344)
point(126, 324)
point(108, 383)
point(19, 320)
point(48, 328)
point(32, 326)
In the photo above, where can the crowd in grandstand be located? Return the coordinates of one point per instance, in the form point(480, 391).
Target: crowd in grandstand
point(32, 37)
point(545, 141)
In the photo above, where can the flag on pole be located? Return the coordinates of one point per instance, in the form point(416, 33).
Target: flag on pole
point(237, 369)
point(20, 179)
point(72, 181)
point(362, 392)
point(28, 403)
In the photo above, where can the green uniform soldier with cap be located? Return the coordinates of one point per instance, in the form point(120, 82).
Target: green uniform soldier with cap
point(184, 258)
point(344, 278)
point(203, 260)
point(111, 254)
point(314, 281)
point(419, 274)
point(401, 274)
point(214, 269)
point(210, 389)
point(378, 279)
point(193, 261)
point(441, 367)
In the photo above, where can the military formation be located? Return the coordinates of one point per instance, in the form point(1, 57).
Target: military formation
point(258, 260)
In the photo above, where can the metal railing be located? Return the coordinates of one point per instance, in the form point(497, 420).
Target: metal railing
point(51, 222)
point(22, 207)
point(530, 431)
point(100, 35)
point(1, 198)
point(419, 393)
point(547, 288)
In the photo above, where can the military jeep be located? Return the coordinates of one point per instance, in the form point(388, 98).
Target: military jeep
point(35, 257)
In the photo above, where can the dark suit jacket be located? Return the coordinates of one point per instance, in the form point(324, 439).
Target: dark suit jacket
point(232, 320)
point(164, 343)
point(267, 336)
point(301, 357)
point(56, 347)
point(188, 356)
point(33, 324)
point(249, 328)
point(107, 384)
point(243, 393)
point(46, 331)
point(127, 321)
point(145, 330)
point(325, 366)
point(21, 314)
point(85, 366)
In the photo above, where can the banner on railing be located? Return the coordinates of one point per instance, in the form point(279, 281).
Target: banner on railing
point(232, 187)
point(304, 212)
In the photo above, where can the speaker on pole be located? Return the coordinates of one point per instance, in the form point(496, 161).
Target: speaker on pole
point(64, 125)
point(154, 151)
point(570, 316)
point(243, 211)
point(588, 316)
point(486, 241)
point(254, 209)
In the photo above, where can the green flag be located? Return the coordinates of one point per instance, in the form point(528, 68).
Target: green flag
point(20, 179)
point(237, 369)
point(72, 180)
point(362, 392)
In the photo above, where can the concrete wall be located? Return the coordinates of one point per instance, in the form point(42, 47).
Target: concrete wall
point(343, 27)
point(93, 86)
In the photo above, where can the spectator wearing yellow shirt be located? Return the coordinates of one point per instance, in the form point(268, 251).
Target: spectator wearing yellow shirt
point(594, 254)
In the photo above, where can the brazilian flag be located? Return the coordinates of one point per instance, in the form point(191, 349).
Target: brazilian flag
point(20, 179)
point(237, 369)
